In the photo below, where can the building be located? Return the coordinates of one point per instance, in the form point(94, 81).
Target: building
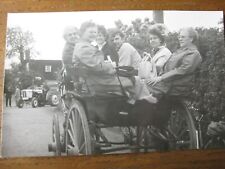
point(47, 68)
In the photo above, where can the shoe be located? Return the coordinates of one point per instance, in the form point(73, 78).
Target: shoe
point(131, 101)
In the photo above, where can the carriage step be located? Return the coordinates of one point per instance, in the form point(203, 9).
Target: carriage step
point(103, 144)
point(123, 113)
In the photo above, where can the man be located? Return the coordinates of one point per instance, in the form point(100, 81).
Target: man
point(8, 95)
point(71, 36)
point(128, 55)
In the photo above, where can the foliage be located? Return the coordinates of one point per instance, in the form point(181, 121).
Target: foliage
point(209, 90)
point(136, 34)
point(19, 44)
point(210, 80)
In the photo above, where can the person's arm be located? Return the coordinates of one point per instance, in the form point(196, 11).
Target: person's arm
point(124, 56)
point(136, 59)
point(89, 57)
point(161, 58)
point(67, 53)
point(188, 64)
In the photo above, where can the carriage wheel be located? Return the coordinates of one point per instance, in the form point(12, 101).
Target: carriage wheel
point(56, 135)
point(78, 139)
point(182, 129)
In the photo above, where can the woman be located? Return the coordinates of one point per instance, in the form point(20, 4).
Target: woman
point(98, 73)
point(107, 49)
point(160, 54)
point(177, 78)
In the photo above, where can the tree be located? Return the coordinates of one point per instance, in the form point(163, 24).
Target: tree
point(19, 43)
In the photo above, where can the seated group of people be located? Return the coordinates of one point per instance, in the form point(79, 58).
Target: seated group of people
point(88, 48)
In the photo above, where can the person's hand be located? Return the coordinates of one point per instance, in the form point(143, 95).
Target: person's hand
point(114, 64)
point(110, 67)
point(154, 80)
point(146, 55)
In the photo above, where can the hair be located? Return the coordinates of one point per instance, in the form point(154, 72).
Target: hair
point(157, 33)
point(192, 33)
point(103, 31)
point(69, 29)
point(84, 26)
point(118, 32)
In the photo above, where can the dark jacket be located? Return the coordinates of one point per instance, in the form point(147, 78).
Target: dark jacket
point(67, 54)
point(109, 50)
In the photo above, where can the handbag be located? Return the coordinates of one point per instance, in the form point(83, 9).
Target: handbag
point(147, 68)
point(126, 71)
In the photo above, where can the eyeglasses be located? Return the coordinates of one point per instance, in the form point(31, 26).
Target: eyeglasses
point(72, 34)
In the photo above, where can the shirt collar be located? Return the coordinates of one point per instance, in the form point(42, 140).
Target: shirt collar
point(191, 46)
point(155, 50)
point(100, 46)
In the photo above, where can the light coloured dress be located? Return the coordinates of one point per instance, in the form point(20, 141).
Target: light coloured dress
point(160, 58)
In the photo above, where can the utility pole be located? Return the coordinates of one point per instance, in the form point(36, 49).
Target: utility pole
point(158, 16)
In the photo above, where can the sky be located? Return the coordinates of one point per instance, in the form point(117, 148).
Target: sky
point(47, 28)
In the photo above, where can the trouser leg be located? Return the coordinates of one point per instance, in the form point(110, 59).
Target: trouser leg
point(7, 99)
point(10, 99)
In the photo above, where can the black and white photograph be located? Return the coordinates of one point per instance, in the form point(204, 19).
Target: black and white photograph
point(113, 82)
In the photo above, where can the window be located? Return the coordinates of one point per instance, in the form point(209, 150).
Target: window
point(48, 68)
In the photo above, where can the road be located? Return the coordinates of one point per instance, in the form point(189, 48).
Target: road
point(27, 131)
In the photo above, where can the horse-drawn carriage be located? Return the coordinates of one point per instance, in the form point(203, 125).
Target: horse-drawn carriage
point(86, 118)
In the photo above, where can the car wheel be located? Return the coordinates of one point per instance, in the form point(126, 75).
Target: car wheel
point(20, 103)
point(34, 102)
point(54, 100)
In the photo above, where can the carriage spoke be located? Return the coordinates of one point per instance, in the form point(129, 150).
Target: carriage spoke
point(172, 132)
point(77, 136)
point(53, 132)
point(182, 133)
point(70, 147)
point(80, 134)
point(78, 119)
point(80, 137)
point(72, 128)
point(54, 138)
point(82, 147)
point(72, 150)
point(76, 126)
point(73, 117)
point(72, 138)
